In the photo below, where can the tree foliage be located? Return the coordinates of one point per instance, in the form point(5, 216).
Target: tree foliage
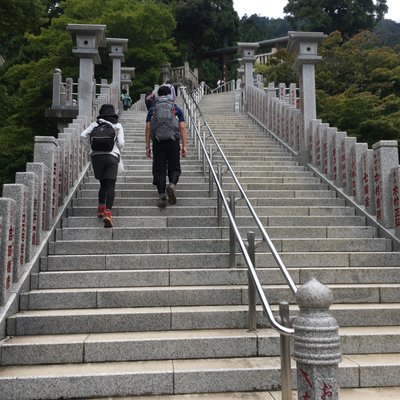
point(45, 44)
point(256, 28)
point(347, 16)
point(203, 25)
point(358, 84)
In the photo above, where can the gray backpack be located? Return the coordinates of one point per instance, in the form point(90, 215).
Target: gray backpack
point(164, 123)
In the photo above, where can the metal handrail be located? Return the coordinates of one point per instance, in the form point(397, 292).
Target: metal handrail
point(264, 234)
point(264, 302)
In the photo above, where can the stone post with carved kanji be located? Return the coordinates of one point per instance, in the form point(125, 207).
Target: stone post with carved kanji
point(316, 344)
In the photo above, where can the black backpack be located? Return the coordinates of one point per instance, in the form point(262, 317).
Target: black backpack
point(164, 124)
point(102, 137)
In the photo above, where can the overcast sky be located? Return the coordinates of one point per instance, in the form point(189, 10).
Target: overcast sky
point(274, 8)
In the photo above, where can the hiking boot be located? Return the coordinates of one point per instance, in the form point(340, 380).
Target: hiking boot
point(107, 219)
point(162, 203)
point(100, 210)
point(171, 193)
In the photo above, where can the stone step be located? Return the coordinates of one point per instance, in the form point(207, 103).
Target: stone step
point(199, 180)
point(85, 200)
point(138, 319)
point(205, 276)
point(173, 377)
point(97, 232)
point(164, 219)
point(164, 345)
point(382, 393)
point(168, 246)
point(163, 296)
point(135, 186)
point(110, 261)
point(204, 192)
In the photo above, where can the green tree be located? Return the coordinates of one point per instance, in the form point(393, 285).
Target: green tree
point(203, 25)
point(358, 84)
point(27, 78)
point(256, 28)
point(347, 16)
point(17, 19)
point(279, 68)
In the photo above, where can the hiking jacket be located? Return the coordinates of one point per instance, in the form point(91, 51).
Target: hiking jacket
point(119, 142)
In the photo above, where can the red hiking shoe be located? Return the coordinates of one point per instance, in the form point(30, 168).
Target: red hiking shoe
point(107, 219)
point(100, 210)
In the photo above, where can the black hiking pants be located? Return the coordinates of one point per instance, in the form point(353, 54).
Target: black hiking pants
point(166, 161)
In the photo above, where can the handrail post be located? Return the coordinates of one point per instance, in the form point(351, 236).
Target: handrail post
point(251, 288)
point(219, 200)
point(210, 174)
point(232, 237)
point(204, 157)
point(286, 370)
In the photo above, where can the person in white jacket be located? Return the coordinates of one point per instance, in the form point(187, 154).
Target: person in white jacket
point(105, 164)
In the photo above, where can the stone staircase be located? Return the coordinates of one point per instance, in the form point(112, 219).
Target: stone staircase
point(151, 309)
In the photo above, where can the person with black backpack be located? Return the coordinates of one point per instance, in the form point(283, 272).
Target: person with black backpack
point(165, 127)
point(105, 139)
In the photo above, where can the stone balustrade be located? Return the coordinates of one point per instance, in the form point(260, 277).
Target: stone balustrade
point(31, 208)
point(370, 177)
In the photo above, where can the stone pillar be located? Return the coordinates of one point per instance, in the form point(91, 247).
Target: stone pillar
point(46, 152)
point(316, 346)
point(69, 89)
point(57, 80)
point(357, 184)
point(271, 94)
point(19, 193)
point(240, 79)
point(313, 141)
point(336, 161)
point(30, 180)
point(297, 129)
point(117, 48)
point(7, 216)
point(166, 72)
point(127, 74)
point(395, 183)
point(367, 170)
point(386, 157)
point(305, 46)
point(328, 151)
point(293, 94)
point(282, 91)
point(88, 38)
point(40, 170)
point(345, 160)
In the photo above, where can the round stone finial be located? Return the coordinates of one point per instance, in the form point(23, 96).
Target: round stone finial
point(313, 294)
point(57, 70)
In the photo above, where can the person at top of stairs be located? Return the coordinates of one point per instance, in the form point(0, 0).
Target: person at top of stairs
point(165, 131)
point(105, 155)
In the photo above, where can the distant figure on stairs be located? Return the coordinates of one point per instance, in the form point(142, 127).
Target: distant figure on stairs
point(126, 99)
point(165, 127)
point(105, 150)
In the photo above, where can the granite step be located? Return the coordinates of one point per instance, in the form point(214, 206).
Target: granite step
point(195, 277)
point(97, 232)
point(139, 319)
point(164, 345)
point(171, 377)
point(168, 246)
point(167, 295)
point(336, 260)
